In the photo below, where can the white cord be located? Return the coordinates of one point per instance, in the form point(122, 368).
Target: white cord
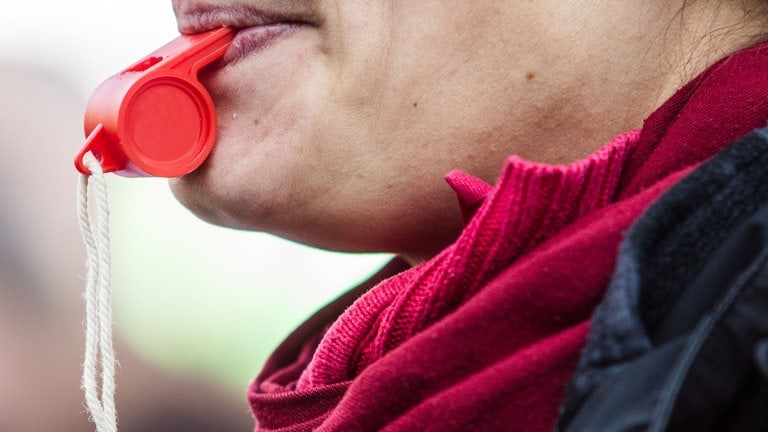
point(99, 353)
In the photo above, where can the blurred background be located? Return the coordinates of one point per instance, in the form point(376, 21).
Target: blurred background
point(198, 308)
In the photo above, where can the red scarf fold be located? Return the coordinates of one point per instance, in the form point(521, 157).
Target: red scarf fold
point(485, 335)
point(529, 204)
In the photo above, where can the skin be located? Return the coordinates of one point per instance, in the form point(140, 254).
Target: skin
point(340, 134)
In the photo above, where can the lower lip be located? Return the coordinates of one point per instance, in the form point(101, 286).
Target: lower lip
point(253, 39)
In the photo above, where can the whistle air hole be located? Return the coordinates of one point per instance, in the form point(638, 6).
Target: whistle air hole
point(145, 64)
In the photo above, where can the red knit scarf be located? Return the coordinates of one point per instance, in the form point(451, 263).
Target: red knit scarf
point(485, 335)
point(529, 204)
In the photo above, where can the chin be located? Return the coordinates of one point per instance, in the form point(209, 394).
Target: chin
point(220, 205)
point(194, 194)
point(188, 191)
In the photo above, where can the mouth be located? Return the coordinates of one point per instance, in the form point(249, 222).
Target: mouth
point(253, 39)
point(257, 28)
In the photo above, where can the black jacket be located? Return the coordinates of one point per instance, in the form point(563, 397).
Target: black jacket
point(680, 341)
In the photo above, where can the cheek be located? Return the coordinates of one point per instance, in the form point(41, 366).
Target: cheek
point(260, 103)
point(272, 153)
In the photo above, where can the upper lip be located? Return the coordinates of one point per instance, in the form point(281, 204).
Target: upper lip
point(200, 17)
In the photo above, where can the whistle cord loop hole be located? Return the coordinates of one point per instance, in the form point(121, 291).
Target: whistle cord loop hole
point(99, 359)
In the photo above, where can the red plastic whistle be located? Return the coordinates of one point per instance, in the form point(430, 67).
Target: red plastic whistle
point(155, 118)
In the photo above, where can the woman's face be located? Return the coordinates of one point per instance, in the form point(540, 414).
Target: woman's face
point(339, 119)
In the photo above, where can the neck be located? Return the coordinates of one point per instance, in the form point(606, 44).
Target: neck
point(632, 59)
point(701, 33)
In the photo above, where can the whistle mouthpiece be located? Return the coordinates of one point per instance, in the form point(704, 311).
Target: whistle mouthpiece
point(155, 118)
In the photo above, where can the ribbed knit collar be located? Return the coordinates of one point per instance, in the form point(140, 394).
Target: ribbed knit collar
point(529, 203)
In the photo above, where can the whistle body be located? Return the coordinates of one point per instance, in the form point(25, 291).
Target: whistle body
point(155, 118)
